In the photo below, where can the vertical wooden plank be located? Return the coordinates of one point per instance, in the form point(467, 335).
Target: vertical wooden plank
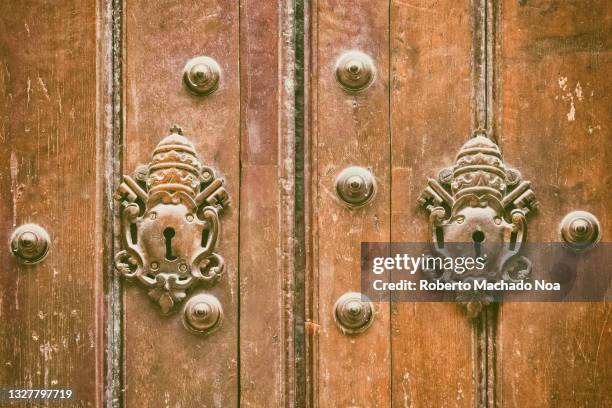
point(164, 363)
point(432, 77)
point(267, 202)
point(554, 69)
point(51, 174)
point(349, 130)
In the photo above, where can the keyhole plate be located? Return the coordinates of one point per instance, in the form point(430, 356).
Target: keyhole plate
point(482, 202)
point(167, 207)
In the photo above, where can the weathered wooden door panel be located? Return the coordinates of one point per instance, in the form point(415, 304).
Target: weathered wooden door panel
point(349, 130)
point(267, 204)
point(453, 70)
point(553, 114)
point(60, 105)
point(391, 127)
point(434, 85)
point(163, 361)
point(52, 173)
point(239, 130)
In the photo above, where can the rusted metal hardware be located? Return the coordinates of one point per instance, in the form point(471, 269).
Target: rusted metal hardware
point(30, 243)
point(203, 314)
point(355, 71)
point(480, 204)
point(580, 230)
point(170, 222)
point(355, 186)
point(353, 313)
point(201, 75)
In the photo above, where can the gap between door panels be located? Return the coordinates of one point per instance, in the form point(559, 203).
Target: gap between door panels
point(108, 27)
point(301, 207)
point(111, 36)
point(485, 17)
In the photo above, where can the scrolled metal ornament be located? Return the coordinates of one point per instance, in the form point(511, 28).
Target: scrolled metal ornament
point(170, 222)
point(479, 208)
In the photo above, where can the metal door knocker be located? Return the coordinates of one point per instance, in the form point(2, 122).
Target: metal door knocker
point(170, 222)
point(480, 205)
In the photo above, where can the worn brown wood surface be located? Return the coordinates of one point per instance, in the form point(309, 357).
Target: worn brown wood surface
point(52, 174)
point(432, 107)
point(266, 221)
point(554, 69)
point(165, 365)
point(349, 130)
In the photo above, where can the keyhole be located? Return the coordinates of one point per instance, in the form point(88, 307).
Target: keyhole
point(440, 237)
point(169, 234)
point(478, 237)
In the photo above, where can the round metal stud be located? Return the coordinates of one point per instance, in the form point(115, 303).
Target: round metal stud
point(30, 243)
point(355, 71)
point(352, 314)
point(355, 186)
point(201, 75)
point(203, 314)
point(580, 230)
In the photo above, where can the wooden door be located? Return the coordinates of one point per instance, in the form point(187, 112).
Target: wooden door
point(305, 94)
point(518, 71)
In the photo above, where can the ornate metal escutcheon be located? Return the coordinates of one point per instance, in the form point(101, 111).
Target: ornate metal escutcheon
point(480, 206)
point(170, 222)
